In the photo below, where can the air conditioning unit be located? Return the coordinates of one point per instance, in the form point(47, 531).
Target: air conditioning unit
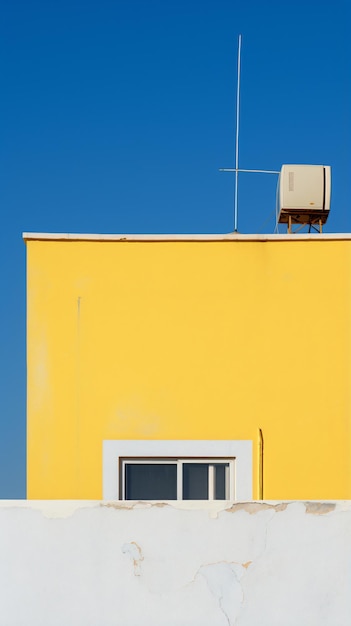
point(304, 193)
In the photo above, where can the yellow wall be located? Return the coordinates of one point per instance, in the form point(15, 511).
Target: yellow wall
point(190, 340)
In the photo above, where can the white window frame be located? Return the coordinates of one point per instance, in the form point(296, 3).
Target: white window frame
point(117, 449)
point(229, 473)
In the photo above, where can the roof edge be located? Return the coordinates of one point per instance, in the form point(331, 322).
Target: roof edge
point(215, 237)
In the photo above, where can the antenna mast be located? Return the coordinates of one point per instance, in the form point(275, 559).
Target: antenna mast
point(237, 139)
point(236, 168)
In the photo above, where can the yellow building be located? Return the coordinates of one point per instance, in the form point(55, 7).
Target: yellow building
point(210, 366)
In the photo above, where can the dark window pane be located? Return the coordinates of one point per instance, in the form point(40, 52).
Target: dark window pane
point(150, 481)
point(220, 491)
point(195, 481)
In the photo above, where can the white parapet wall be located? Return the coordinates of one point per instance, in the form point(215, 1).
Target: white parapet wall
point(160, 564)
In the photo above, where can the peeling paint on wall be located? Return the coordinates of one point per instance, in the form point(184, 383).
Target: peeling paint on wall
point(135, 553)
point(256, 507)
point(319, 508)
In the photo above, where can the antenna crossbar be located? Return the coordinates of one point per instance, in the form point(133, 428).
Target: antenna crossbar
point(235, 169)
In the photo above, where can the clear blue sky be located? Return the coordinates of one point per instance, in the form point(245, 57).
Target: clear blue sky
point(116, 115)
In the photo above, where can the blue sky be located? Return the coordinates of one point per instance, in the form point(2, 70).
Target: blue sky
point(116, 116)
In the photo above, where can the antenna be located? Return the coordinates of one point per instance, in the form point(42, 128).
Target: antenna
point(236, 168)
point(237, 138)
point(304, 190)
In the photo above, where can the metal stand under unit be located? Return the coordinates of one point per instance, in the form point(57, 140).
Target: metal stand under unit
point(312, 222)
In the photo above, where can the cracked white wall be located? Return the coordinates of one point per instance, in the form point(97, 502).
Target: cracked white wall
point(115, 564)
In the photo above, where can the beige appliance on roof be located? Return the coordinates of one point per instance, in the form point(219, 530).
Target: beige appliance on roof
point(304, 196)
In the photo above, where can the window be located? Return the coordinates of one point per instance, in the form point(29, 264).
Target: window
point(176, 479)
point(187, 469)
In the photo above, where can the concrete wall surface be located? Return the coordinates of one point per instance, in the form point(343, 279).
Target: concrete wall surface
point(88, 563)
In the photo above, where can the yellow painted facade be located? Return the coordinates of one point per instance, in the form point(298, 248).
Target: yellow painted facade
point(190, 339)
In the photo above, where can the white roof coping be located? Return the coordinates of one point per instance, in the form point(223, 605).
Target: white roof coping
point(215, 237)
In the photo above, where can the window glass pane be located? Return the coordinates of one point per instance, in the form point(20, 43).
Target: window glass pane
point(219, 478)
point(195, 481)
point(150, 481)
